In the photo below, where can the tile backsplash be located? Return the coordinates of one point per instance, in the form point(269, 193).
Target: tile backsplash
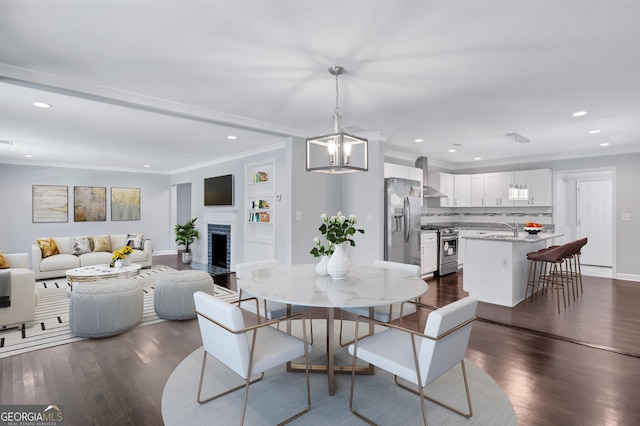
point(487, 218)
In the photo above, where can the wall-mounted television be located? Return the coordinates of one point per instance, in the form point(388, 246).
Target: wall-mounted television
point(218, 191)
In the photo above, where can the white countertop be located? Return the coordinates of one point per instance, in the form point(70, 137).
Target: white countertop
point(523, 237)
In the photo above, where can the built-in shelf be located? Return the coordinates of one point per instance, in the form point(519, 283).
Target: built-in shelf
point(260, 210)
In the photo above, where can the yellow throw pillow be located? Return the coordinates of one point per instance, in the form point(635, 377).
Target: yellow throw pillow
point(48, 247)
point(3, 261)
point(102, 243)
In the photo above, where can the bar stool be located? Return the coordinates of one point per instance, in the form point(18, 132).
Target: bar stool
point(548, 271)
point(576, 259)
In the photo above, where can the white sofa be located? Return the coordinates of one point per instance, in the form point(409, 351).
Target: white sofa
point(23, 292)
point(55, 266)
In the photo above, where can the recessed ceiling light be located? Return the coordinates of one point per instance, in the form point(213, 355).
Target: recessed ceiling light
point(418, 140)
point(579, 113)
point(452, 150)
point(41, 105)
point(28, 155)
point(478, 158)
point(605, 144)
point(593, 132)
point(147, 165)
point(232, 137)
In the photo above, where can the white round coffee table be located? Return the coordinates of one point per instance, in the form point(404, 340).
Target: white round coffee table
point(101, 272)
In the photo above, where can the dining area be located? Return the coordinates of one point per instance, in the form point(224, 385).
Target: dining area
point(333, 377)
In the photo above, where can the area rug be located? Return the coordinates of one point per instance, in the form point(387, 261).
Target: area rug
point(281, 394)
point(51, 327)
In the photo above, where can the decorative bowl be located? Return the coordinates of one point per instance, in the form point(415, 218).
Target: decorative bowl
point(532, 231)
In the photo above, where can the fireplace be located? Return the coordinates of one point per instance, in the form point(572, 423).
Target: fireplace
point(219, 258)
point(219, 252)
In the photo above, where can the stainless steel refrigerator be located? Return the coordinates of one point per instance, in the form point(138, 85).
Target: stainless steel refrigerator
point(402, 212)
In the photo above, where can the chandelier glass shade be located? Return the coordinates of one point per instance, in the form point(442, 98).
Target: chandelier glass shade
point(517, 192)
point(336, 151)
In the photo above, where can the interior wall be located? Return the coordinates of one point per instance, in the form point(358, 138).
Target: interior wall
point(235, 166)
point(183, 203)
point(18, 232)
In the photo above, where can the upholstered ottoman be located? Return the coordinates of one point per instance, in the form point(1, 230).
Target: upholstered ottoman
point(173, 293)
point(105, 308)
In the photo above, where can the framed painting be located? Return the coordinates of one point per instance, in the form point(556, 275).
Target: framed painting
point(89, 204)
point(125, 204)
point(50, 203)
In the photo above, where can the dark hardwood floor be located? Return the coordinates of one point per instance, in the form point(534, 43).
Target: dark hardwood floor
point(579, 367)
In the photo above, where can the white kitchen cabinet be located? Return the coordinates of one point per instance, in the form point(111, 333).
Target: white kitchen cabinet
point(462, 190)
point(405, 172)
point(478, 184)
point(428, 252)
point(496, 189)
point(443, 182)
point(539, 182)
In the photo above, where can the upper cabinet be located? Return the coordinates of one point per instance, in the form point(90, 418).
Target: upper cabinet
point(492, 189)
point(478, 190)
point(443, 182)
point(404, 172)
point(462, 190)
point(539, 183)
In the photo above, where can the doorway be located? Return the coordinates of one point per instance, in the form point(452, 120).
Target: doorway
point(180, 206)
point(583, 207)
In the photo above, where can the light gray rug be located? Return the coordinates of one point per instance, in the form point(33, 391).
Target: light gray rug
point(51, 326)
point(281, 394)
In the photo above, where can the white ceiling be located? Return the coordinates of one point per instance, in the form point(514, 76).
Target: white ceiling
point(165, 82)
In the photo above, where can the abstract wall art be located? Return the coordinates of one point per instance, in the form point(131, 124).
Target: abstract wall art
point(125, 204)
point(89, 204)
point(50, 203)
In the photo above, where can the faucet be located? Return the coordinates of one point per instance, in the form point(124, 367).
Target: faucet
point(514, 228)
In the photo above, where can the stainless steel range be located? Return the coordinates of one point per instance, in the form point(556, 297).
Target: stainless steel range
point(447, 248)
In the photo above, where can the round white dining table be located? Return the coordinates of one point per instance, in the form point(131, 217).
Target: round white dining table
point(364, 286)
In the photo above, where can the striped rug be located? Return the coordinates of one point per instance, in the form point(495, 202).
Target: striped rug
point(51, 326)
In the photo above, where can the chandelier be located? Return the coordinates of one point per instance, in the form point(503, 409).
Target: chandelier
point(336, 151)
point(517, 191)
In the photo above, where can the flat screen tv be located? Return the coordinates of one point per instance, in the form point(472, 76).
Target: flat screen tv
point(218, 191)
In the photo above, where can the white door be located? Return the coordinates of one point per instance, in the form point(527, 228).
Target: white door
point(595, 205)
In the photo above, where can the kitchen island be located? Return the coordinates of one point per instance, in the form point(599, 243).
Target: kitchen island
point(496, 265)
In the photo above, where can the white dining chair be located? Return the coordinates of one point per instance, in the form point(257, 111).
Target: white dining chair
point(419, 358)
point(247, 351)
point(386, 313)
point(268, 309)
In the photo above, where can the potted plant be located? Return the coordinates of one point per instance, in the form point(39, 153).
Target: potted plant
point(187, 234)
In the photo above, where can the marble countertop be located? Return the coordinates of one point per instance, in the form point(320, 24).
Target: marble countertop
point(523, 236)
point(364, 286)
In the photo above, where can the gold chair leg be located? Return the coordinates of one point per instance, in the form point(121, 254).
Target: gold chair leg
point(199, 397)
point(420, 392)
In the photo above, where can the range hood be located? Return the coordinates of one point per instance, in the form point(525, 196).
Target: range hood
point(427, 191)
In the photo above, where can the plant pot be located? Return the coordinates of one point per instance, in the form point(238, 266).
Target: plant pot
point(187, 257)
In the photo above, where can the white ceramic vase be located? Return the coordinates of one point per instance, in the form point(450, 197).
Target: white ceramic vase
point(118, 264)
point(127, 260)
point(338, 264)
point(321, 267)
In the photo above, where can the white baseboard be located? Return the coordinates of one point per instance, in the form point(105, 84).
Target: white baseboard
point(164, 252)
point(628, 277)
